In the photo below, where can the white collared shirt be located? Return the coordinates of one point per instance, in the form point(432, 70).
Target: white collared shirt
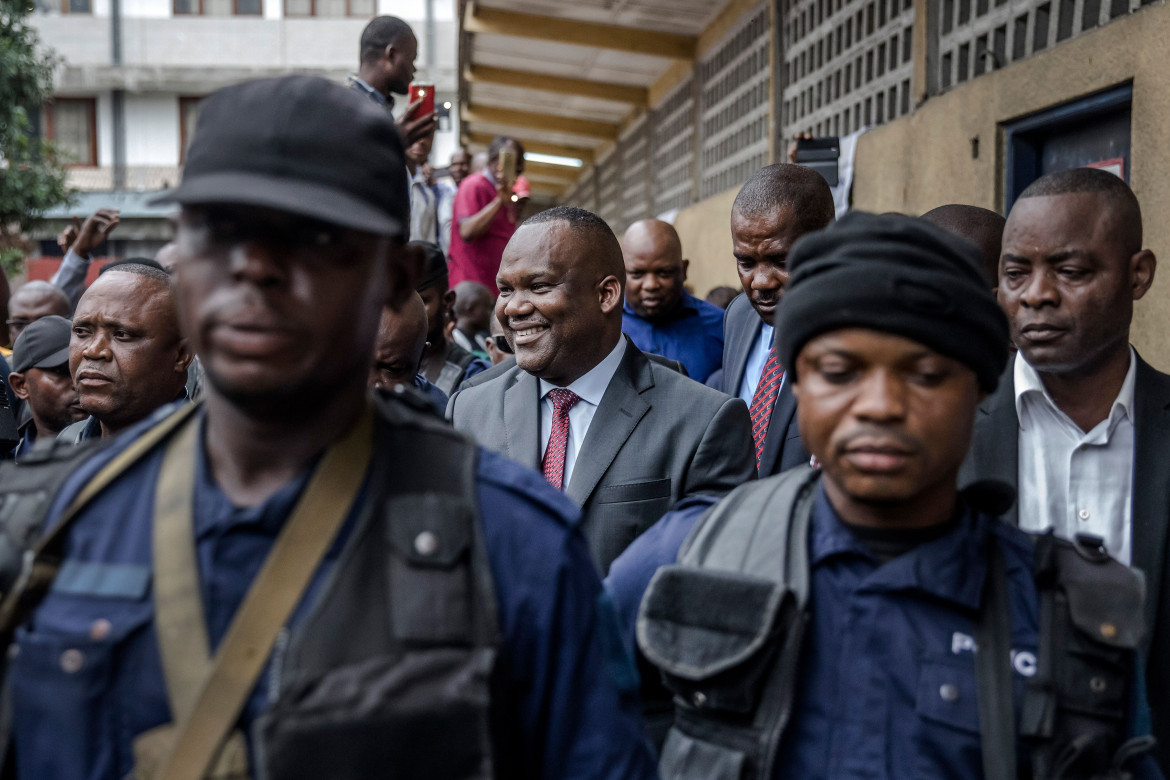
point(589, 387)
point(757, 359)
point(1073, 481)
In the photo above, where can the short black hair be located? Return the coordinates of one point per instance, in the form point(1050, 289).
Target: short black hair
point(380, 33)
point(499, 142)
point(596, 229)
point(1110, 188)
point(785, 185)
point(982, 227)
point(142, 266)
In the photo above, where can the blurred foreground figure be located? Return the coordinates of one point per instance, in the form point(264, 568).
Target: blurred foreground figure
point(289, 580)
point(866, 619)
point(1080, 425)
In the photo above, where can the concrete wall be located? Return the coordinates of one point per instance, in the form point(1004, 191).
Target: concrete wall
point(924, 160)
point(705, 230)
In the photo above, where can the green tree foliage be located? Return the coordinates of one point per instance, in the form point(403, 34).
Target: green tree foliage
point(32, 178)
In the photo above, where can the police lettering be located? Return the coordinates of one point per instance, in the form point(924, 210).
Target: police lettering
point(1023, 661)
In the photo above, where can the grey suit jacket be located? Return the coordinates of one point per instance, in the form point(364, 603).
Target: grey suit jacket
point(995, 455)
point(783, 448)
point(656, 437)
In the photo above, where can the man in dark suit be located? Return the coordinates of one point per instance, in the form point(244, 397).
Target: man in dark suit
point(777, 205)
point(1080, 425)
point(623, 436)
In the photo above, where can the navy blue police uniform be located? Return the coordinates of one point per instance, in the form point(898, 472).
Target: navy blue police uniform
point(86, 674)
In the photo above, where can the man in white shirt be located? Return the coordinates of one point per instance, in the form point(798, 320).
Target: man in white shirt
point(624, 437)
point(1081, 424)
point(424, 219)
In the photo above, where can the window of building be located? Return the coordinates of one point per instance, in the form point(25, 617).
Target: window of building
point(218, 7)
point(334, 8)
point(188, 116)
point(71, 123)
point(65, 6)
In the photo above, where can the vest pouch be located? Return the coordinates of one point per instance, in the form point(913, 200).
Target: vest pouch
point(1105, 611)
point(714, 635)
point(152, 748)
point(387, 716)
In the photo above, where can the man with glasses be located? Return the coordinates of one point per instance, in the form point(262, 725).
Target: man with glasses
point(32, 301)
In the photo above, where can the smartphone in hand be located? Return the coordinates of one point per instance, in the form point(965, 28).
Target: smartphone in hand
point(820, 154)
point(425, 93)
point(508, 165)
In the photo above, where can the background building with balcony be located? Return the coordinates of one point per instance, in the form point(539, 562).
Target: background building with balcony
point(133, 74)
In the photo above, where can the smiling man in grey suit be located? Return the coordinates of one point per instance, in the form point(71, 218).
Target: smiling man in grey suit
point(625, 438)
point(1080, 424)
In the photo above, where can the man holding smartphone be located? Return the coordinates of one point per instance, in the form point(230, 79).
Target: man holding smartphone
point(485, 215)
point(388, 52)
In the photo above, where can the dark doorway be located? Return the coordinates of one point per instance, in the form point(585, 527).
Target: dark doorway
point(1093, 130)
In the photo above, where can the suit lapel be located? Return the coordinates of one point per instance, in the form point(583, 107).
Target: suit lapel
point(1151, 480)
point(522, 420)
point(741, 335)
point(996, 442)
point(619, 412)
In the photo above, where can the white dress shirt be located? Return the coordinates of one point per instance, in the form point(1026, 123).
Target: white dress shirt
point(590, 388)
point(1070, 480)
point(754, 368)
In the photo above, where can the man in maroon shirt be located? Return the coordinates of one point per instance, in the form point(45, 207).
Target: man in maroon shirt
point(484, 219)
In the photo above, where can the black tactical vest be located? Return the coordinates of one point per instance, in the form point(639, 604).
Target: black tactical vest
point(392, 671)
point(725, 627)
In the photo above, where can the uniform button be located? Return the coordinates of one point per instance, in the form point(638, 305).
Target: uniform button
point(426, 544)
point(699, 698)
point(1083, 514)
point(71, 661)
point(100, 629)
point(1097, 685)
point(949, 692)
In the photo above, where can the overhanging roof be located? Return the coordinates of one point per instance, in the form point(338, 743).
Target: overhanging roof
point(566, 77)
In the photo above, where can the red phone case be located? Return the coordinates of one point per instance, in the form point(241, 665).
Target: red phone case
point(427, 93)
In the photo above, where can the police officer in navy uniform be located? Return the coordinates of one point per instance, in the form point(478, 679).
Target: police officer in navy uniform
point(396, 601)
point(866, 620)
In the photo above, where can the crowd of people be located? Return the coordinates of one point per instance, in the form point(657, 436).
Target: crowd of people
point(364, 477)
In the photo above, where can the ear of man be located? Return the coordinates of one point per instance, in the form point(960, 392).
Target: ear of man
point(19, 384)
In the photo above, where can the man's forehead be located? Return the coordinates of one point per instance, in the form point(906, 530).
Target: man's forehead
point(780, 224)
point(868, 344)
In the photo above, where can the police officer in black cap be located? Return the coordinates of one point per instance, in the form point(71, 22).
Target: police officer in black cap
point(865, 620)
point(292, 579)
point(40, 377)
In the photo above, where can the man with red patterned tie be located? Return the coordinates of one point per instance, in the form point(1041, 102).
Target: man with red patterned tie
point(777, 205)
point(624, 437)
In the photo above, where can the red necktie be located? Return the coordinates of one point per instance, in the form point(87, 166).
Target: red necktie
point(558, 442)
point(764, 399)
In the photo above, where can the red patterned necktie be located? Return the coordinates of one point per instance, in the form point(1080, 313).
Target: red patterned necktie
point(558, 442)
point(764, 399)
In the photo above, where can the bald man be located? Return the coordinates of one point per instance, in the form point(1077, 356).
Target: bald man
point(126, 355)
point(982, 227)
point(659, 315)
point(659, 437)
point(398, 352)
point(32, 301)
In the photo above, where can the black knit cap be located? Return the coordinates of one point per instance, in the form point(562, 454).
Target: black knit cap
point(898, 275)
point(303, 145)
